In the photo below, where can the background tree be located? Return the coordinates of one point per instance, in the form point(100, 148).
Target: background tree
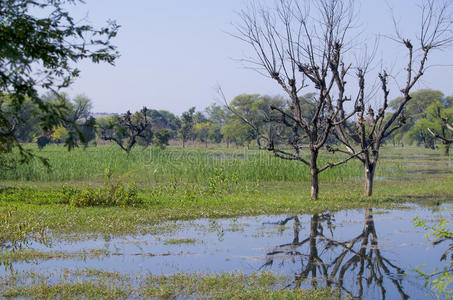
point(162, 119)
point(413, 111)
point(75, 117)
point(201, 131)
point(187, 122)
point(215, 133)
point(40, 47)
point(27, 119)
point(439, 126)
point(162, 137)
point(126, 129)
point(255, 111)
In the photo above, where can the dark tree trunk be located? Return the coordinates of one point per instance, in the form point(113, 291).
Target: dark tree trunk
point(369, 178)
point(314, 175)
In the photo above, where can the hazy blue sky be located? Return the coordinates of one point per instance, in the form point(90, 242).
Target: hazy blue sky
point(174, 53)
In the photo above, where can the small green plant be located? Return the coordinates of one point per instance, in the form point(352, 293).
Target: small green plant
point(439, 281)
point(110, 194)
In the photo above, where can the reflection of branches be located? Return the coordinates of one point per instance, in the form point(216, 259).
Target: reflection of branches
point(329, 260)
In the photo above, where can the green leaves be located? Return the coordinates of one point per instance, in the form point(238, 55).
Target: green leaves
point(40, 45)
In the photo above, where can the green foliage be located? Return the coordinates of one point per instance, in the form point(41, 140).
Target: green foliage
point(41, 45)
point(417, 109)
point(185, 130)
point(201, 131)
point(110, 194)
point(420, 135)
point(162, 137)
point(439, 280)
point(433, 119)
point(60, 134)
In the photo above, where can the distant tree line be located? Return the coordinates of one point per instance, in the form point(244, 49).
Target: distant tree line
point(246, 119)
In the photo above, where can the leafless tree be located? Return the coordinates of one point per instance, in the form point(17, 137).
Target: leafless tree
point(127, 129)
point(364, 137)
point(300, 45)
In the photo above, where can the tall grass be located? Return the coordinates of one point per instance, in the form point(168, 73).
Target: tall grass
point(175, 164)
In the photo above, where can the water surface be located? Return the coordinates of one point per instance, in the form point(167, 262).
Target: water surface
point(366, 253)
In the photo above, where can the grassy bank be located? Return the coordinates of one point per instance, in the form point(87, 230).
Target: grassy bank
point(37, 214)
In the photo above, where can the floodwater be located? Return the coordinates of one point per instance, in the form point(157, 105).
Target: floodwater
point(365, 253)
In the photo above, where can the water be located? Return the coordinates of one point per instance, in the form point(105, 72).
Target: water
point(366, 253)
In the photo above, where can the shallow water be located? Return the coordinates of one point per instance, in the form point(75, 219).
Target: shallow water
point(367, 253)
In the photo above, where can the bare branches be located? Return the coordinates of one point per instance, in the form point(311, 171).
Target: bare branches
point(372, 127)
point(127, 129)
point(438, 136)
point(302, 47)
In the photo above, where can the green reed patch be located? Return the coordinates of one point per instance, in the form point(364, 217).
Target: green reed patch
point(151, 166)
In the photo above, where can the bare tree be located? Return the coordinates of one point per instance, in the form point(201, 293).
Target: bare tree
point(301, 46)
point(128, 128)
point(364, 137)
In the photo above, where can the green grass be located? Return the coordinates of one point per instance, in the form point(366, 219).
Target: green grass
point(97, 284)
point(34, 255)
point(36, 219)
point(150, 166)
point(180, 241)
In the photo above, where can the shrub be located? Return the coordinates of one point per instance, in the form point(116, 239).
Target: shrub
point(110, 194)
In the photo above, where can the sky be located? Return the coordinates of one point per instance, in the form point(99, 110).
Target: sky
point(175, 53)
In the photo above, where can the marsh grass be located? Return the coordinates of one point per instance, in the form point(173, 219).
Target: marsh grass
point(29, 255)
point(33, 221)
point(150, 166)
point(97, 284)
point(180, 241)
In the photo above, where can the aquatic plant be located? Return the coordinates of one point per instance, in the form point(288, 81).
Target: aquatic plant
point(439, 280)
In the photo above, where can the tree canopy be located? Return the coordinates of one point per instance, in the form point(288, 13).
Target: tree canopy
point(40, 46)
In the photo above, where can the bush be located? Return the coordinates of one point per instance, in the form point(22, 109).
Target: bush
point(111, 194)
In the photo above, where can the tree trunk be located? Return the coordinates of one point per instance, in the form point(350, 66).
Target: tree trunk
point(314, 184)
point(369, 178)
point(314, 175)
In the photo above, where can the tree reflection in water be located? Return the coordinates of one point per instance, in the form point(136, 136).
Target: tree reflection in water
point(338, 264)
